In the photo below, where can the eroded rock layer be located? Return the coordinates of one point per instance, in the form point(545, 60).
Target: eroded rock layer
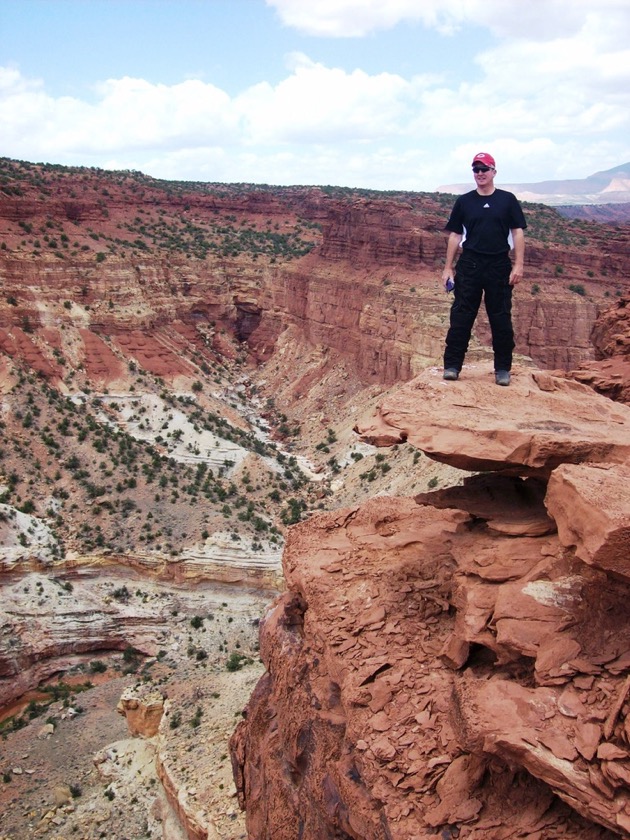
point(363, 728)
point(103, 269)
point(456, 664)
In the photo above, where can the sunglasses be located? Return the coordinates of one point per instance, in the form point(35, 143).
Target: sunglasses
point(477, 169)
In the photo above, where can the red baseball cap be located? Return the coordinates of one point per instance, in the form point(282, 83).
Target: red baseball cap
point(485, 158)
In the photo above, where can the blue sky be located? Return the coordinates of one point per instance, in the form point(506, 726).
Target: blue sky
point(363, 93)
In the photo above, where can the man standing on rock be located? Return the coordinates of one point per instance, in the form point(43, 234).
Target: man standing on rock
point(486, 222)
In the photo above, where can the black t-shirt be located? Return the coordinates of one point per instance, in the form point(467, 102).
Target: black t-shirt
point(486, 220)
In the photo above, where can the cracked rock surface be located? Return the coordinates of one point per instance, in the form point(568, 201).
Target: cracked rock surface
point(456, 664)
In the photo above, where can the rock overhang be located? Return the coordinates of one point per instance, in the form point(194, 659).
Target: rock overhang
point(529, 429)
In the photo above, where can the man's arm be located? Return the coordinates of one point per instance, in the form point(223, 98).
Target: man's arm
point(454, 240)
point(518, 236)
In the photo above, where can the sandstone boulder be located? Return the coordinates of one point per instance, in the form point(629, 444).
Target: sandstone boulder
point(143, 707)
point(591, 506)
point(456, 664)
point(610, 378)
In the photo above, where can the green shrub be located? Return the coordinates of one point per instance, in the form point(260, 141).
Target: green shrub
point(130, 654)
point(235, 661)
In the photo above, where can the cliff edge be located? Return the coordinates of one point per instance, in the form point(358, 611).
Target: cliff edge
point(456, 664)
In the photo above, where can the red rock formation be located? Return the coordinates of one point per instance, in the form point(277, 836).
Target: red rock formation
point(101, 364)
point(452, 665)
point(20, 346)
point(611, 332)
point(591, 505)
point(431, 655)
point(530, 428)
point(609, 374)
point(369, 289)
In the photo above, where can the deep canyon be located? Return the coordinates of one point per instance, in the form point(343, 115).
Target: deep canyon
point(233, 487)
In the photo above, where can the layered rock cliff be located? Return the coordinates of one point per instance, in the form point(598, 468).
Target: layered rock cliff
point(609, 374)
point(136, 316)
point(160, 269)
point(456, 664)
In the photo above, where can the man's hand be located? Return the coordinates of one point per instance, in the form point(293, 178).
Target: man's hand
point(453, 243)
point(516, 275)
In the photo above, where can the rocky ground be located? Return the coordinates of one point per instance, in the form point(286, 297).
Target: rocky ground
point(85, 776)
point(75, 770)
point(466, 649)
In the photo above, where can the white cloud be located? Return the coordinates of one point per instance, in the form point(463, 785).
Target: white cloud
point(136, 112)
point(541, 19)
point(571, 93)
point(553, 91)
point(318, 104)
point(129, 113)
point(547, 20)
point(356, 18)
point(312, 105)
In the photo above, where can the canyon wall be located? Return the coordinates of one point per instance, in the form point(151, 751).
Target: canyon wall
point(388, 324)
point(364, 281)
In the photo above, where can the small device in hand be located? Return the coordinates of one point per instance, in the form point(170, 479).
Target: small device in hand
point(449, 285)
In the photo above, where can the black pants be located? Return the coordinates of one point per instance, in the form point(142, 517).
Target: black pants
point(477, 275)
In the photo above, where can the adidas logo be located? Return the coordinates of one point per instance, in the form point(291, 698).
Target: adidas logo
point(486, 205)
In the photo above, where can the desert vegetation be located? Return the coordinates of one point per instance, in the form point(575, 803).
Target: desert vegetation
point(74, 453)
point(125, 213)
point(154, 217)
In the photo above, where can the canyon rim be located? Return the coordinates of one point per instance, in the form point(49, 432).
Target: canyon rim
point(221, 407)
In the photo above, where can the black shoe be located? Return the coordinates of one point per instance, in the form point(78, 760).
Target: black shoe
point(502, 377)
point(451, 373)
